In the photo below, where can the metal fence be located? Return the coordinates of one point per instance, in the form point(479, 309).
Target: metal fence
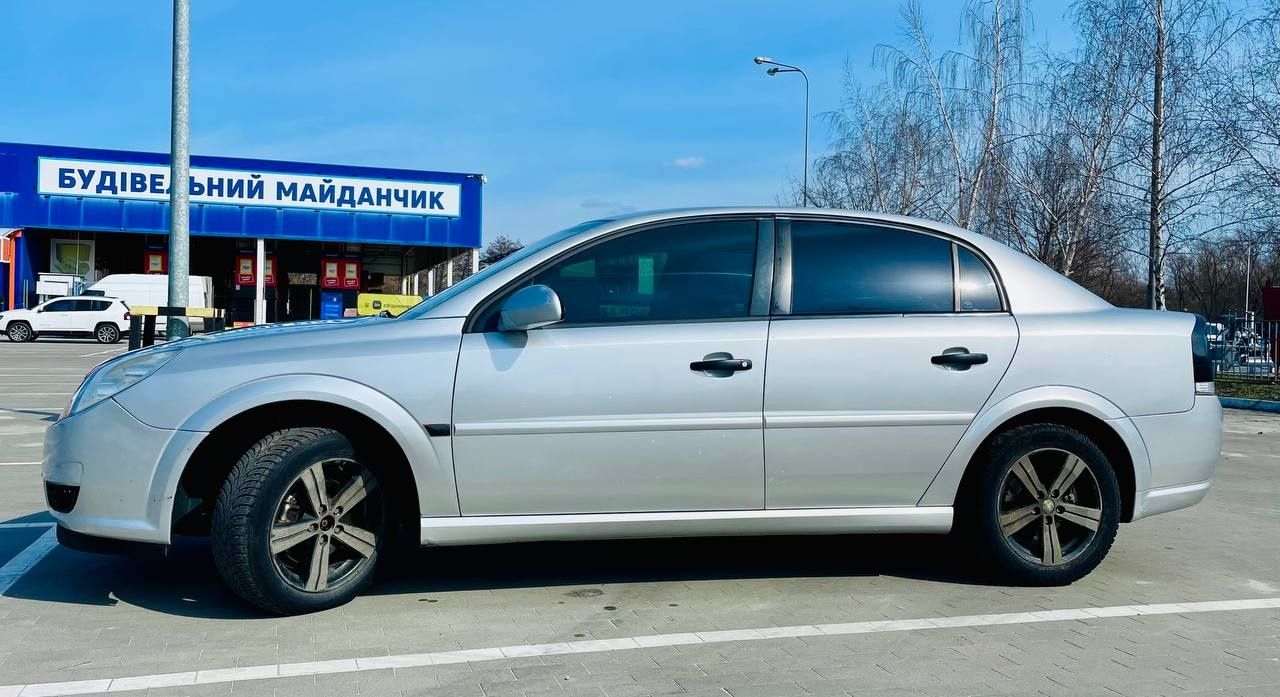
point(1245, 348)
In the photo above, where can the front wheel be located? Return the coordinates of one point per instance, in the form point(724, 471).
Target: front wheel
point(19, 332)
point(299, 523)
point(1047, 504)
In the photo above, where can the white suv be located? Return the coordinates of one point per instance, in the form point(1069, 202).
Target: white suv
point(105, 319)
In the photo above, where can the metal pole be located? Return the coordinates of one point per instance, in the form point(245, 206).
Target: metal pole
point(260, 284)
point(1248, 269)
point(179, 171)
point(805, 187)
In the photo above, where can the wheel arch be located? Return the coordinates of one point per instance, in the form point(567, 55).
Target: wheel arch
point(1091, 414)
point(237, 418)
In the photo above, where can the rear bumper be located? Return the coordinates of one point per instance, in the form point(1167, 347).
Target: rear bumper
point(1184, 450)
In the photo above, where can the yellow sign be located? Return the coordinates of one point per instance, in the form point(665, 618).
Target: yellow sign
point(373, 303)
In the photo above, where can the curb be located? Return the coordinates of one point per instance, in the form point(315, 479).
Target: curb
point(1252, 404)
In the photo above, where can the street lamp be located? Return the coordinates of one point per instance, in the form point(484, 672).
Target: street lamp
point(784, 68)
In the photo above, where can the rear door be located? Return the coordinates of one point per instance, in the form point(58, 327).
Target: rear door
point(608, 412)
point(885, 344)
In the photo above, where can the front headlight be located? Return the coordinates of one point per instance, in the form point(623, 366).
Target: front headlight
point(115, 375)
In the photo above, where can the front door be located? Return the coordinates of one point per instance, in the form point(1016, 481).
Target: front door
point(610, 411)
point(892, 342)
point(55, 316)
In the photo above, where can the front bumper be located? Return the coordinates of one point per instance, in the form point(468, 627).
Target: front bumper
point(126, 473)
point(1184, 450)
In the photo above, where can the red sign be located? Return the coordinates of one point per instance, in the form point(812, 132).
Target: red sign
point(155, 261)
point(244, 270)
point(269, 271)
point(329, 277)
point(351, 274)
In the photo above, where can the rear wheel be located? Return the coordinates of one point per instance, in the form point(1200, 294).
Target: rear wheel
point(106, 333)
point(19, 332)
point(299, 523)
point(1048, 504)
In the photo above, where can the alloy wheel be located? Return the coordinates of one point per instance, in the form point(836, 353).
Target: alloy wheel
point(319, 540)
point(107, 334)
point(1051, 524)
point(19, 333)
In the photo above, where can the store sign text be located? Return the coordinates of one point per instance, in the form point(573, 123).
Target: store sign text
point(61, 177)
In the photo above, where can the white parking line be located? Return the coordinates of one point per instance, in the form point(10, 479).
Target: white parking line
point(15, 464)
point(416, 660)
point(12, 526)
point(27, 558)
point(99, 353)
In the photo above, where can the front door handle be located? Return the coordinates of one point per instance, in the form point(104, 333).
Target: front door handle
point(715, 365)
point(958, 358)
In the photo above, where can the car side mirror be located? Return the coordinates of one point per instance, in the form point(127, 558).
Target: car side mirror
point(529, 308)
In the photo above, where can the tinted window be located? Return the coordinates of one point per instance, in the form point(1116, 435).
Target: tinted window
point(60, 306)
point(851, 269)
point(680, 272)
point(91, 305)
point(978, 292)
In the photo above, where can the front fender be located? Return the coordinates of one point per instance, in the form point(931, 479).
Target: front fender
point(942, 491)
point(429, 459)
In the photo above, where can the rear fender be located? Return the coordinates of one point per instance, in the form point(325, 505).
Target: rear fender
point(942, 491)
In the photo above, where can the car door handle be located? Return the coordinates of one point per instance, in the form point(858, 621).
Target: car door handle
point(958, 358)
point(730, 365)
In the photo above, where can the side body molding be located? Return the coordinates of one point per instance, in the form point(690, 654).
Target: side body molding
point(942, 491)
point(431, 460)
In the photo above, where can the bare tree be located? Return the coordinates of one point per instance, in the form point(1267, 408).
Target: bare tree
point(499, 247)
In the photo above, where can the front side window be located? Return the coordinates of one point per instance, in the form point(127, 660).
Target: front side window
point(694, 271)
point(60, 306)
point(841, 268)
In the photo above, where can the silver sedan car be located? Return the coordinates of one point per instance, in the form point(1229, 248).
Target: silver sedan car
point(740, 371)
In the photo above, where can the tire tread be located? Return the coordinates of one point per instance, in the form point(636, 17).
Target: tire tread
point(239, 495)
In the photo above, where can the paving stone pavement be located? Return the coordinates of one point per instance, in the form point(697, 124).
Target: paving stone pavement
point(82, 617)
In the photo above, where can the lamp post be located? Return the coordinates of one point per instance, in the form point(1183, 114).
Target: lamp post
point(784, 68)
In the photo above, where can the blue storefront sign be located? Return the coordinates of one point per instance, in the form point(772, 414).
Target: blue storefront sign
point(91, 190)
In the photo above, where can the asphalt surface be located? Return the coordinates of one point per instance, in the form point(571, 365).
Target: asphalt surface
point(766, 617)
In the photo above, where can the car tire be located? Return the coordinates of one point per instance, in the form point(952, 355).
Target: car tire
point(289, 534)
point(19, 332)
point(106, 333)
point(1049, 524)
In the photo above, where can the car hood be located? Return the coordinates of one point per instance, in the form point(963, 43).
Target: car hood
point(277, 330)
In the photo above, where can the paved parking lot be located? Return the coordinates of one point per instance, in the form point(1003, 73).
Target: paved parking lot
point(743, 617)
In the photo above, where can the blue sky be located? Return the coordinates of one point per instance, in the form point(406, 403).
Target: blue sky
point(573, 110)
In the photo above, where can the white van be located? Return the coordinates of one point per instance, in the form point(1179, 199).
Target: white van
point(153, 289)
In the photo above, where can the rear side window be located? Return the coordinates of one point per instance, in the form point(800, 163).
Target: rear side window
point(91, 305)
point(838, 268)
point(977, 287)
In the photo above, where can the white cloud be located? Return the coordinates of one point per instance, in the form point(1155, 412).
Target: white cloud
point(689, 162)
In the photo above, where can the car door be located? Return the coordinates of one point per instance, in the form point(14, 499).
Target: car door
point(609, 411)
point(54, 316)
point(885, 344)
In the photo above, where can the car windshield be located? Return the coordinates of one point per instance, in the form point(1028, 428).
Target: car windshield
point(425, 306)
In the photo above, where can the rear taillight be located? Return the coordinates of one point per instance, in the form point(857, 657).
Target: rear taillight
point(127, 316)
point(1201, 363)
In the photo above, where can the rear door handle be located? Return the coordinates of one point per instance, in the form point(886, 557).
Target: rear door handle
point(958, 358)
point(731, 365)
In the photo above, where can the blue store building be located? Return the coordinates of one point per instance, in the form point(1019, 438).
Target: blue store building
point(324, 229)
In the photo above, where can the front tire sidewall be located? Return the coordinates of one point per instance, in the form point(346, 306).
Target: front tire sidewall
point(249, 537)
point(1006, 450)
point(19, 332)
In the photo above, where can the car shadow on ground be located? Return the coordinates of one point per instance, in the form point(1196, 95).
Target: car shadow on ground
point(185, 582)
